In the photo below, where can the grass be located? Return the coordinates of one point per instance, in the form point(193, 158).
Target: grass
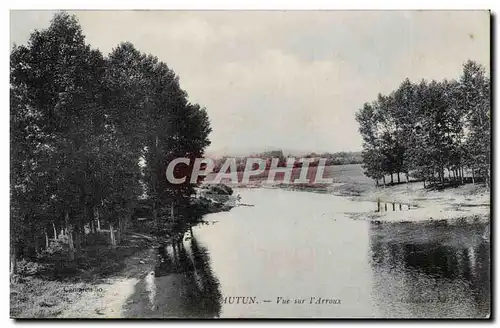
point(96, 261)
point(47, 288)
point(34, 297)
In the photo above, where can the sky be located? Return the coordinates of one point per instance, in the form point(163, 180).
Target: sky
point(290, 80)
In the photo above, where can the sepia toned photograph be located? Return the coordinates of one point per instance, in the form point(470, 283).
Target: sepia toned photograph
point(209, 164)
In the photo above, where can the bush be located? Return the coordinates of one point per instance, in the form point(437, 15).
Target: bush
point(57, 248)
point(28, 268)
point(99, 238)
point(220, 189)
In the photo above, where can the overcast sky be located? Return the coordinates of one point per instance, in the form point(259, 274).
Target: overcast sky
point(284, 79)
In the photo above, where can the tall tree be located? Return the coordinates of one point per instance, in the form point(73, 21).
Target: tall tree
point(475, 102)
point(430, 128)
point(58, 78)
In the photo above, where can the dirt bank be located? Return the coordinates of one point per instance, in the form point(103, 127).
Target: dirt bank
point(101, 288)
point(113, 293)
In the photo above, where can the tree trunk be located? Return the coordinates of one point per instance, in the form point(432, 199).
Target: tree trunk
point(69, 230)
point(174, 250)
point(13, 259)
point(37, 247)
point(112, 235)
point(155, 179)
point(89, 218)
point(118, 234)
point(78, 241)
point(71, 245)
point(172, 220)
point(46, 239)
point(473, 182)
point(97, 218)
point(384, 179)
point(87, 214)
point(55, 231)
point(126, 222)
point(155, 218)
point(392, 179)
point(407, 178)
point(424, 183)
point(399, 179)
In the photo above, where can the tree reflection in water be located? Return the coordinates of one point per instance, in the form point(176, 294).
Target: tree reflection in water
point(430, 269)
point(183, 286)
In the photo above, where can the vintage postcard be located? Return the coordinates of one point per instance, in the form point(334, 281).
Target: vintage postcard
point(250, 164)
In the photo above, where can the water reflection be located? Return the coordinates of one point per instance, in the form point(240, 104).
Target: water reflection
point(181, 286)
point(301, 245)
point(430, 270)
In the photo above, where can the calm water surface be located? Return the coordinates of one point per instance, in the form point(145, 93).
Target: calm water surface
point(301, 245)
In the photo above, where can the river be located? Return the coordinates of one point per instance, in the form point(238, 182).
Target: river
point(295, 254)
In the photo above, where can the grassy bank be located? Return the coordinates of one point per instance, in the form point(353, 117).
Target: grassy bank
point(98, 283)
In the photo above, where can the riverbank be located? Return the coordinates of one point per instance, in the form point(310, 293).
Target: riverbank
point(98, 298)
point(93, 293)
point(120, 293)
point(100, 282)
point(465, 202)
point(113, 292)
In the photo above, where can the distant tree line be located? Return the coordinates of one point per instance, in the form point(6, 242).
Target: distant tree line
point(341, 158)
point(438, 132)
point(338, 158)
point(90, 136)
